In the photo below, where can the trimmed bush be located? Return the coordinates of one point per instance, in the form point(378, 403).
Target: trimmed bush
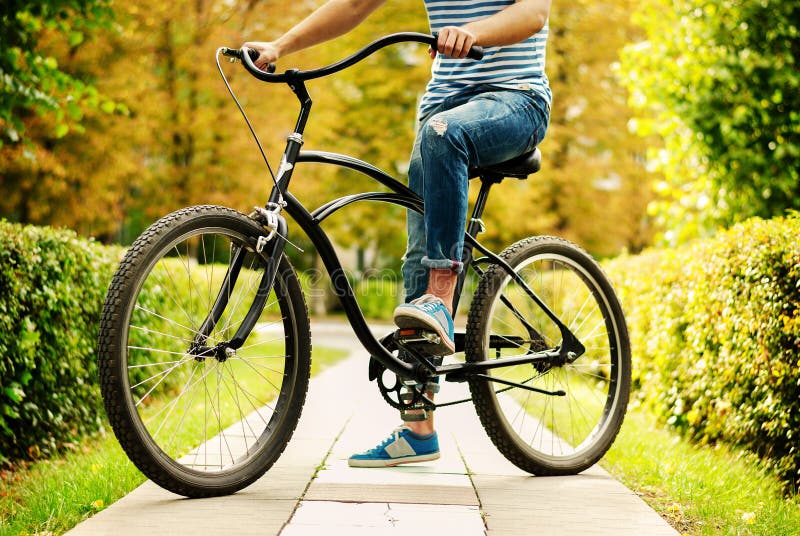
point(52, 286)
point(715, 331)
point(378, 294)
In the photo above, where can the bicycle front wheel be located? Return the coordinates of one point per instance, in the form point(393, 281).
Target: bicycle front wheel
point(205, 422)
point(548, 434)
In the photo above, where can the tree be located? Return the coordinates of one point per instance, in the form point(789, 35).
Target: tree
point(719, 82)
point(593, 187)
point(368, 111)
point(32, 81)
point(175, 138)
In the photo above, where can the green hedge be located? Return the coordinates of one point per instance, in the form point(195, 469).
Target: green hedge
point(52, 289)
point(715, 331)
point(52, 286)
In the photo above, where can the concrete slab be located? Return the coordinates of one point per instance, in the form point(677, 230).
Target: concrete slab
point(383, 518)
point(151, 510)
point(513, 501)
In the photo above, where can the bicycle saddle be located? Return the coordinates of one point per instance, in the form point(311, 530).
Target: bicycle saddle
point(519, 167)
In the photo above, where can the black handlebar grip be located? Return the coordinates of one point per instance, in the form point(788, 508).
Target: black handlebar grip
point(254, 54)
point(237, 53)
point(475, 53)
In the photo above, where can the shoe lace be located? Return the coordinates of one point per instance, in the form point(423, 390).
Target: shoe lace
point(394, 436)
point(427, 300)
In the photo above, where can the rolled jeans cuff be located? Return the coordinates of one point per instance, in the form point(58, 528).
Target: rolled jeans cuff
point(443, 264)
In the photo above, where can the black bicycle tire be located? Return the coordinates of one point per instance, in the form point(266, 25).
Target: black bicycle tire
point(111, 355)
point(484, 396)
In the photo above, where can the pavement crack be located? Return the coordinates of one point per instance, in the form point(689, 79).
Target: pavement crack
point(317, 469)
point(389, 516)
point(474, 488)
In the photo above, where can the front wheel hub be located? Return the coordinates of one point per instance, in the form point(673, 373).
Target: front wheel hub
point(220, 352)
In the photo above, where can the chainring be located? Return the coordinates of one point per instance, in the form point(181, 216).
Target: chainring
point(394, 394)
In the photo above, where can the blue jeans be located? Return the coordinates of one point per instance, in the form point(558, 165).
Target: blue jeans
point(478, 127)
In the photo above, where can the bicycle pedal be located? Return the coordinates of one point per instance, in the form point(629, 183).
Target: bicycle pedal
point(416, 416)
point(419, 411)
point(417, 336)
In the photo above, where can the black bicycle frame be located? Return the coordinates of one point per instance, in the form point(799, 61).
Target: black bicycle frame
point(400, 195)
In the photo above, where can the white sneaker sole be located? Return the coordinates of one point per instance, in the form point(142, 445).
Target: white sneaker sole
point(393, 462)
point(410, 317)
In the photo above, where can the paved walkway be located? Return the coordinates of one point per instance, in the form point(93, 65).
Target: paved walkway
point(471, 490)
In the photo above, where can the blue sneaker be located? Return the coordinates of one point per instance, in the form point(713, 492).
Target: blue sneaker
point(403, 446)
point(429, 313)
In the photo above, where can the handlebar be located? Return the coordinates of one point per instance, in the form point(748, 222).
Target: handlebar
point(248, 55)
point(238, 53)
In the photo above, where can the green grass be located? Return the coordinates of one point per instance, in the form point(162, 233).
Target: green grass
point(52, 496)
point(700, 490)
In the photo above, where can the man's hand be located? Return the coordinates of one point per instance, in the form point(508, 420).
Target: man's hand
point(454, 42)
point(268, 53)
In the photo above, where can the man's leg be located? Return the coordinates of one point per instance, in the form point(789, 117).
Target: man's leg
point(486, 129)
point(415, 275)
point(489, 128)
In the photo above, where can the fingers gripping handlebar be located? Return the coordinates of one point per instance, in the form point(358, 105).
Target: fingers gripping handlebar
point(248, 56)
point(238, 53)
point(475, 52)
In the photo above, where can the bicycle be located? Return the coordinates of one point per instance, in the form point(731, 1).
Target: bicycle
point(204, 390)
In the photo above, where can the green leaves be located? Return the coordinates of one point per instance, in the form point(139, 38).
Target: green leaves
point(14, 393)
point(51, 289)
point(720, 87)
point(32, 79)
point(715, 328)
point(75, 38)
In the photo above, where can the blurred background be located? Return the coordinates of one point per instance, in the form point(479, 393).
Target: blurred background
point(671, 119)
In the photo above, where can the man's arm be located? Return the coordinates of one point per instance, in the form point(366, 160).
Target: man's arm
point(515, 23)
point(332, 19)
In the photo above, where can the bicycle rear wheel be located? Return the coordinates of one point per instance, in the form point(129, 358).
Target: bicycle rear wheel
point(546, 434)
point(210, 422)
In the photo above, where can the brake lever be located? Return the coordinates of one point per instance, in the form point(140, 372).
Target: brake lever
point(236, 54)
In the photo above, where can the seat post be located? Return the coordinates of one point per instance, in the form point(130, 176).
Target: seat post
point(474, 227)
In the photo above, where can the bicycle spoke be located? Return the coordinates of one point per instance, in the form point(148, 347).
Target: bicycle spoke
point(259, 364)
point(140, 308)
point(171, 406)
point(252, 366)
point(156, 364)
point(162, 375)
point(250, 398)
point(553, 427)
point(242, 420)
point(161, 333)
point(165, 268)
point(159, 351)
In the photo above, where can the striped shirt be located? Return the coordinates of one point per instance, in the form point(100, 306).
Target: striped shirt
point(518, 66)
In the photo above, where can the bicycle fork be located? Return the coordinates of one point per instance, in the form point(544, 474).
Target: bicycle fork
point(270, 248)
